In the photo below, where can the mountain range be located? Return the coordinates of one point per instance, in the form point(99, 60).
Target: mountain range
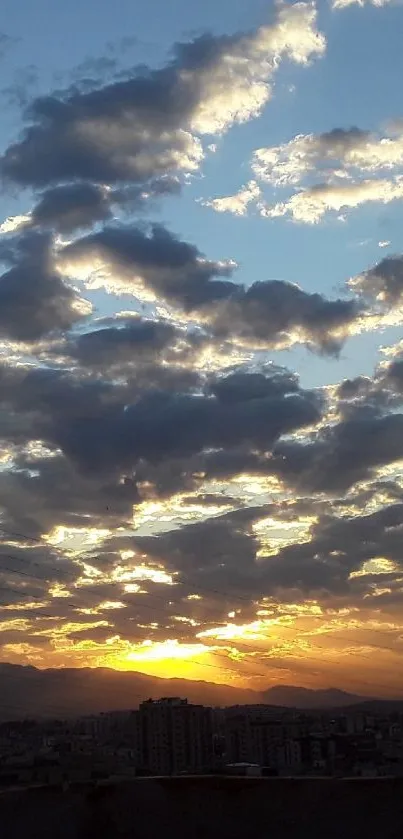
point(27, 691)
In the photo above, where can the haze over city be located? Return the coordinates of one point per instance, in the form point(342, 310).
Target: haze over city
point(201, 374)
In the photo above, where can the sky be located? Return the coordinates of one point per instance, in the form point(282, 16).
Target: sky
point(201, 372)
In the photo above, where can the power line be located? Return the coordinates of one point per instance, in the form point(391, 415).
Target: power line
point(225, 657)
point(41, 542)
point(119, 649)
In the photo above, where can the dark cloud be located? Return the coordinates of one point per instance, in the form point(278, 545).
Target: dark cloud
point(218, 552)
point(150, 354)
point(138, 341)
point(67, 208)
point(393, 375)
point(126, 412)
point(338, 547)
point(383, 283)
point(124, 440)
point(50, 393)
point(342, 455)
point(338, 141)
point(227, 463)
point(169, 267)
point(129, 130)
point(221, 553)
point(239, 387)
point(365, 397)
point(41, 492)
point(272, 313)
point(145, 354)
point(79, 205)
point(139, 128)
point(170, 441)
point(126, 131)
point(351, 388)
point(34, 300)
point(276, 313)
point(24, 564)
point(156, 612)
point(162, 377)
point(166, 425)
point(365, 536)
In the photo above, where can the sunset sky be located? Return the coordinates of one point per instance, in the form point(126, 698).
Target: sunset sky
point(201, 308)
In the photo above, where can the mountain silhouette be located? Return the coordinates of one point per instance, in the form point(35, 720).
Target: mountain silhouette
point(299, 697)
point(27, 691)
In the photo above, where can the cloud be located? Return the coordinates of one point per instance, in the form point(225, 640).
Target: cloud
point(327, 169)
point(151, 353)
point(34, 300)
point(340, 151)
point(342, 455)
point(271, 314)
point(278, 314)
point(220, 551)
point(224, 553)
point(156, 263)
point(159, 426)
point(340, 156)
point(311, 204)
point(149, 125)
point(240, 386)
point(337, 548)
point(382, 284)
point(38, 399)
point(67, 208)
point(393, 375)
point(236, 204)
point(342, 4)
point(13, 224)
point(43, 492)
point(73, 207)
point(38, 564)
point(108, 428)
point(137, 340)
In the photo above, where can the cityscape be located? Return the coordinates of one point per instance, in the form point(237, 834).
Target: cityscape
point(172, 737)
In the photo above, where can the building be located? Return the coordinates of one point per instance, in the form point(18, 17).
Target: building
point(175, 737)
point(252, 735)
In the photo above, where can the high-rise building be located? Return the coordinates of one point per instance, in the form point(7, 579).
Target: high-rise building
point(252, 735)
point(176, 736)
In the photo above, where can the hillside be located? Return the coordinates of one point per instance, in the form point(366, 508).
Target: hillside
point(28, 691)
point(298, 697)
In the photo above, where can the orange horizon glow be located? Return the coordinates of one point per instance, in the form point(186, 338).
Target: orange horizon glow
point(303, 647)
point(311, 643)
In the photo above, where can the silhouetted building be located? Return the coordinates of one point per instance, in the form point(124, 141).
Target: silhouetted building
point(176, 736)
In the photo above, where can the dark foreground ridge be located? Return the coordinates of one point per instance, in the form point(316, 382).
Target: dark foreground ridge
point(226, 808)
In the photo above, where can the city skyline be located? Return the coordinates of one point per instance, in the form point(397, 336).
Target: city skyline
point(169, 736)
point(201, 372)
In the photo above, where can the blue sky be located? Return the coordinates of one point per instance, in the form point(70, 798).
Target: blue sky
point(201, 357)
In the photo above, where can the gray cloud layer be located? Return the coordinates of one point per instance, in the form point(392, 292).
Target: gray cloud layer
point(34, 300)
point(272, 313)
